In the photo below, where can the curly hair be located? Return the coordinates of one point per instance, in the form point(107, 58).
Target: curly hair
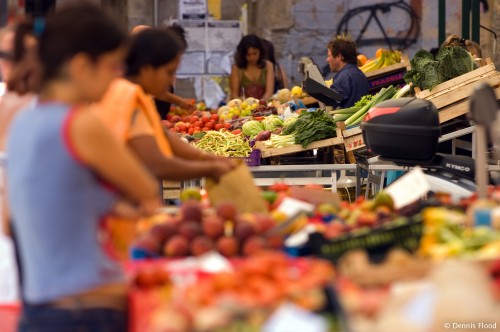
point(242, 49)
point(345, 47)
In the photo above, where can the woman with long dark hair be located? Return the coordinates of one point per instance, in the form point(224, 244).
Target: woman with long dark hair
point(251, 75)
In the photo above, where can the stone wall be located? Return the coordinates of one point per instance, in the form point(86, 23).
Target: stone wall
point(303, 27)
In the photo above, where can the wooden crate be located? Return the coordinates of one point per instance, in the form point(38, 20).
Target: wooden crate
point(266, 152)
point(390, 75)
point(451, 98)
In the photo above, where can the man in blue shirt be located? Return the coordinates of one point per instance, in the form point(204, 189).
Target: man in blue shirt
point(349, 81)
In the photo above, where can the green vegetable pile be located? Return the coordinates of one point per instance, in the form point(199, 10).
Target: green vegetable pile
point(224, 143)
point(427, 72)
point(311, 127)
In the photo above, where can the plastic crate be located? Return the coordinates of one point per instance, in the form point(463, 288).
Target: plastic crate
point(377, 241)
point(253, 159)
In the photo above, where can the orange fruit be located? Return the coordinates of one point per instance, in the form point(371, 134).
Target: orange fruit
point(362, 59)
point(379, 52)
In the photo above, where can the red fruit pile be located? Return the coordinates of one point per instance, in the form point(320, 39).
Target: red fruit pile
point(197, 122)
point(194, 233)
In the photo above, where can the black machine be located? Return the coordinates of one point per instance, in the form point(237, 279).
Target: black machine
point(406, 131)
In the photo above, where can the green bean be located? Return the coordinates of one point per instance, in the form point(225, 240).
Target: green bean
point(224, 143)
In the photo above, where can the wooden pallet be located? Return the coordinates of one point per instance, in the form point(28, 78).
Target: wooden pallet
point(451, 98)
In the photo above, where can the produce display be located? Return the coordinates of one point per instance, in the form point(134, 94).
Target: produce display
point(194, 232)
point(357, 113)
point(244, 298)
point(237, 107)
point(428, 71)
point(305, 129)
point(446, 236)
point(195, 123)
point(224, 143)
point(383, 58)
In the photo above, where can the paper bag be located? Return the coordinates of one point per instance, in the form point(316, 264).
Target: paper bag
point(237, 187)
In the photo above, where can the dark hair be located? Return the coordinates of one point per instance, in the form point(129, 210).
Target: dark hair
point(152, 47)
point(269, 47)
point(77, 27)
point(181, 32)
point(345, 47)
point(242, 49)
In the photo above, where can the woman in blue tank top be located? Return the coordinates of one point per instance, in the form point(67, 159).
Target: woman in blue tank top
point(60, 156)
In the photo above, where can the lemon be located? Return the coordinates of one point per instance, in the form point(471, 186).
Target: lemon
point(243, 105)
point(296, 91)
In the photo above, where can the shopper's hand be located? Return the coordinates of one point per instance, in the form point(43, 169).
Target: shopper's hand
point(221, 167)
point(187, 105)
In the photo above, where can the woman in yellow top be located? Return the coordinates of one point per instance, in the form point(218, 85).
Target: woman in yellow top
point(251, 75)
point(129, 112)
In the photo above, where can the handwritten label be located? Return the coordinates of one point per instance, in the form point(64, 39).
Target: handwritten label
point(409, 188)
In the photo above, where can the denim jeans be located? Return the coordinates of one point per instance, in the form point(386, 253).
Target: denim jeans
point(48, 319)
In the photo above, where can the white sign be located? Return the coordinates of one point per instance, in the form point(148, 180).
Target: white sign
point(192, 63)
point(409, 188)
point(192, 9)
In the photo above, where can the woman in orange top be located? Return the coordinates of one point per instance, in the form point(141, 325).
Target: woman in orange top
point(129, 111)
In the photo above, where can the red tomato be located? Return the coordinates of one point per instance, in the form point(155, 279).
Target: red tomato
point(169, 117)
point(167, 124)
point(196, 131)
point(190, 130)
point(205, 119)
point(236, 131)
point(176, 118)
point(183, 127)
point(205, 129)
point(214, 117)
point(227, 125)
point(209, 124)
point(199, 114)
point(218, 126)
point(198, 124)
point(193, 119)
point(196, 128)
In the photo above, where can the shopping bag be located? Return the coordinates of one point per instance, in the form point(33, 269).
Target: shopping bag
point(238, 188)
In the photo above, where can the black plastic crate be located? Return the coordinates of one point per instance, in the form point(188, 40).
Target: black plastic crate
point(377, 241)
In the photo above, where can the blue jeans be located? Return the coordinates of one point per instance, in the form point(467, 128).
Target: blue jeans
point(48, 319)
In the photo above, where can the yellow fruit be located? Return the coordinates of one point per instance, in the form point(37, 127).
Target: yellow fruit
point(296, 91)
point(243, 105)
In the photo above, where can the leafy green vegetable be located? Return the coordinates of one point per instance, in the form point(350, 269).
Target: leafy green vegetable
point(311, 127)
point(252, 128)
point(427, 72)
point(363, 101)
point(272, 122)
point(454, 61)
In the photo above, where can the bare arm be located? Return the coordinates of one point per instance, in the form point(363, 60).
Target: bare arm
point(96, 146)
point(170, 97)
point(269, 80)
point(234, 83)
point(174, 168)
point(284, 77)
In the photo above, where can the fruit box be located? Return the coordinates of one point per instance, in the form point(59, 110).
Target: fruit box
point(451, 98)
point(376, 241)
